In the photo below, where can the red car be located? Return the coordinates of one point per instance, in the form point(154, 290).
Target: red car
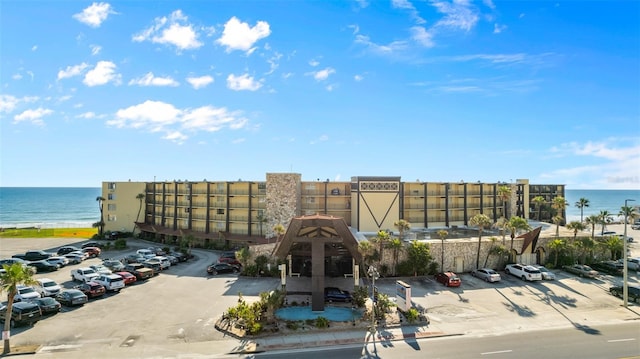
point(92, 289)
point(128, 277)
point(449, 279)
point(92, 251)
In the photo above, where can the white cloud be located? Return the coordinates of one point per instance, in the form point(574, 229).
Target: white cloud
point(457, 15)
point(71, 71)
point(34, 47)
point(200, 82)
point(150, 80)
point(87, 115)
point(322, 138)
point(161, 117)
point(238, 141)
point(239, 36)
point(242, 82)
point(358, 78)
point(489, 4)
point(389, 49)
point(173, 30)
point(8, 103)
point(95, 49)
point(422, 36)
point(103, 73)
point(16, 77)
point(406, 5)
point(497, 28)
point(314, 63)
point(33, 116)
point(322, 75)
point(95, 14)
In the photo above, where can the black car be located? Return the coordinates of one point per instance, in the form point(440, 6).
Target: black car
point(44, 266)
point(72, 297)
point(182, 257)
point(22, 313)
point(609, 267)
point(219, 268)
point(333, 294)
point(67, 249)
point(634, 293)
point(47, 305)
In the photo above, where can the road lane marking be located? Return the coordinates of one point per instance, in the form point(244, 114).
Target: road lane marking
point(620, 340)
point(497, 352)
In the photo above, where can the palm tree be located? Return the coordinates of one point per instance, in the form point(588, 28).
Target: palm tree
point(605, 218)
point(261, 219)
point(556, 245)
point(628, 212)
point(365, 248)
point(279, 230)
point(396, 245)
point(443, 235)
point(538, 201)
point(481, 221)
point(503, 225)
point(139, 197)
point(504, 193)
point(402, 226)
point(575, 226)
point(559, 204)
point(490, 251)
point(515, 225)
point(14, 275)
point(615, 245)
point(582, 203)
point(243, 255)
point(381, 238)
point(101, 200)
point(557, 219)
point(593, 220)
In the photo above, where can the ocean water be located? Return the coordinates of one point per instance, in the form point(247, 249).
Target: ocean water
point(49, 207)
point(599, 200)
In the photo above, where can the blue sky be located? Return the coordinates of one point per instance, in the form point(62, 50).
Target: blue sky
point(226, 90)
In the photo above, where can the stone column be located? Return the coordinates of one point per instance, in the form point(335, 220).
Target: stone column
point(317, 275)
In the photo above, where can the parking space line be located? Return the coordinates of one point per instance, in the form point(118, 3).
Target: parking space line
point(497, 352)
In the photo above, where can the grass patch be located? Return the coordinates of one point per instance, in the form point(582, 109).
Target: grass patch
point(48, 232)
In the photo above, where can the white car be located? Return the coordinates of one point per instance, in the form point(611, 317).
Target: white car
point(486, 274)
point(59, 261)
point(74, 258)
point(47, 287)
point(524, 272)
point(83, 274)
point(146, 253)
point(25, 293)
point(100, 269)
point(164, 261)
point(633, 263)
point(111, 282)
point(546, 273)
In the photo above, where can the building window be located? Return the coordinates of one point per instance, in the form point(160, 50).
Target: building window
point(111, 196)
point(262, 185)
point(111, 207)
point(220, 210)
point(111, 218)
point(112, 185)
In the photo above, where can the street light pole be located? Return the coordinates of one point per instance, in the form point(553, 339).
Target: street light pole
point(373, 273)
point(625, 265)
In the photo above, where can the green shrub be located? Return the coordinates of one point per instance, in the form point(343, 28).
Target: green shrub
point(255, 328)
point(166, 249)
point(120, 243)
point(412, 315)
point(322, 322)
point(250, 271)
point(360, 295)
point(107, 246)
point(293, 325)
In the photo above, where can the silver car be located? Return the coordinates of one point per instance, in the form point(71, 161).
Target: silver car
point(486, 274)
point(546, 273)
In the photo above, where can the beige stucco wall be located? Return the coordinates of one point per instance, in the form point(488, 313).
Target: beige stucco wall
point(123, 198)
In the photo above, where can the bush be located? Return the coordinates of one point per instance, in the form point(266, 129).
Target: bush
point(322, 322)
point(120, 243)
point(360, 295)
point(250, 271)
point(255, 328)
point(412, 315)
point(107, 246)
point(293, 325)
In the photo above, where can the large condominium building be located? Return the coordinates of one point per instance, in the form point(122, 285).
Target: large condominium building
point(249, 210)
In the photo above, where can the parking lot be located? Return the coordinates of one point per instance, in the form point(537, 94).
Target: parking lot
point(182, 303)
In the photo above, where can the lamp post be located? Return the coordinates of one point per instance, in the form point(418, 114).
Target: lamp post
point(625, 266)
point(373, 273)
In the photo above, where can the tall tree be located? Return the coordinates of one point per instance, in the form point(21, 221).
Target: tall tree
point(582, 203)
point(538, 201)
point(490, 251)
point(557, 220)
point(381, 239)
point(139, 197)
point(615, 245)
point(629, 212)
point(279, 230)
point(503, 225)
point(419, 257)
point(402, 226)
point(593, 220)
point(504, 193)
point(100, 201)
point(575, 226)
point(559, 204)
point(443, 235)
point(515, 225)
point(556, 245)
point(366, 249)
point(14, 275)
point(605, 218)
point(396, 245)
point(261, 220)
point(481, 221)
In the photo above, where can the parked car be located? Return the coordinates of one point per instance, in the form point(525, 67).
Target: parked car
point(486, 274)
point(25, 292)
point(449, 279)
point(165, 263)
point(334, 294)
point(43, 266)
point(92, 251)
point(114, 235)
point(146, 253)
point(91, 289)
point(47, 287)
point(133, 258)
point(67, 249)
point(111, 282)
point(228, 254)
point(219, 268)
point(83, 274)
point(72, 297)
point(229, 260)
point(59, 261)
point(636, 224)
point(609, 267)
point(92, 244)
point(81, 253)
point(22, 313)
point(173, 260)
point(113, 264)
point(47, 305)
point(524, 272)
point(127, 277)
point(74, 258)
point(582, 270)
point(633, 263)
point(153, 264)
point(546, 273)
point(182, 257)
point(633, 292)
point(157, 250)
point(100, 269)
point(139, 270)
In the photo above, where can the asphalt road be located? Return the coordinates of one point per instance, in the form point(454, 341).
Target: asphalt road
point(602, 342)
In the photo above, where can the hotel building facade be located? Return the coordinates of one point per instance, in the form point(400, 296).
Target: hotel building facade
point(248, 211)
